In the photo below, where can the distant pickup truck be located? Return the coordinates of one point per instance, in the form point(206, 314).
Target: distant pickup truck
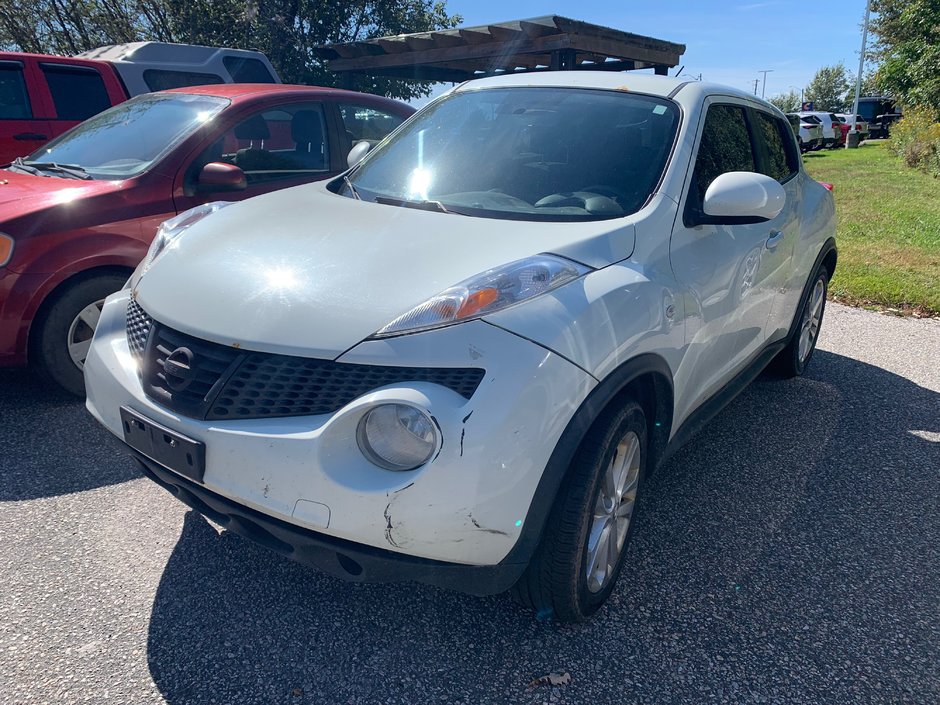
point(43, 96)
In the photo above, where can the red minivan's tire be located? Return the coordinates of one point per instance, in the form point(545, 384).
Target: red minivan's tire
point(63, 333)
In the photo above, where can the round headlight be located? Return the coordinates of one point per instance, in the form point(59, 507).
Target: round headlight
point(397, 437)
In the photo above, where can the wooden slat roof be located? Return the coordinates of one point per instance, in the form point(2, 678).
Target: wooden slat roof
point(539, 44)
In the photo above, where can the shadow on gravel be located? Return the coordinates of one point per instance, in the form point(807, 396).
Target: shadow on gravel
point(788, 554)
point(50, 445)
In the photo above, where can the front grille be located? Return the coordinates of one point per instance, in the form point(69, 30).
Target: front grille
point(223, 382)
point(210, 364)
point(138, 327)
point(282, 385)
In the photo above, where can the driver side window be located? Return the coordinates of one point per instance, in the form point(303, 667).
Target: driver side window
point(285, 142)
point(725, 146)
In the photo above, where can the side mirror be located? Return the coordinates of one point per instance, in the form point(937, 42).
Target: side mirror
point(219, 176)
point(742, 197)
point(360, 150)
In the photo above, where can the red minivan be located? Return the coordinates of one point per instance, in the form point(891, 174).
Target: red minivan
point(77, 215)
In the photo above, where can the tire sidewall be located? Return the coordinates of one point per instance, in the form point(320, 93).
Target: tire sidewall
point(630, 418)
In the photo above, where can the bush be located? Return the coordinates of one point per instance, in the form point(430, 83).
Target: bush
point(916, 139)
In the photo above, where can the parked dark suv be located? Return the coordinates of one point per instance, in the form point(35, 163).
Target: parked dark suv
point(880, 112)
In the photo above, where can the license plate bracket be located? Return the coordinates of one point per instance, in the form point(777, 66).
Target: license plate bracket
point(169, 448)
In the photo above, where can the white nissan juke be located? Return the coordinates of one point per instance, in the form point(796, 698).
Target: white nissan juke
point(457, 362)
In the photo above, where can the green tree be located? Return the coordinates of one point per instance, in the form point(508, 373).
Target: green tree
point(285, 30)
point(907, 42)
point(830, 88)
point(787, 102)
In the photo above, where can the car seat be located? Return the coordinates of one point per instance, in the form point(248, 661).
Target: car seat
point(307, 132)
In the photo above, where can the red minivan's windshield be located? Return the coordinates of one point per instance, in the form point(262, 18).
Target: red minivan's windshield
point(127, 139)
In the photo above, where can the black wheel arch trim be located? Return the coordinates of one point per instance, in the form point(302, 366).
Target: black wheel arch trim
point(621, 380)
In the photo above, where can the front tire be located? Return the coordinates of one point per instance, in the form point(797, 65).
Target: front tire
point(576, 565)
point(65, 331)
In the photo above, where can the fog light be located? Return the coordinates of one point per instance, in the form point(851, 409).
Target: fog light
point(397, 437)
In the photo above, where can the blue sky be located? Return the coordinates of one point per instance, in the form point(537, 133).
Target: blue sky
point(727, 42)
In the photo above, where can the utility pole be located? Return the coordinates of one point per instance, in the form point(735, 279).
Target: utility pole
point(858, 81)
point(763, 91)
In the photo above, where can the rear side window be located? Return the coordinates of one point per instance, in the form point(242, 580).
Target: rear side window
point(77, 92)
point(245, 70)
point(161, 80)
point(14, 101)
point(780, 161)
point(725, 146)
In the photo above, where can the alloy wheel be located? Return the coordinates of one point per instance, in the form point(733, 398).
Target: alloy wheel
point(812, 317)
point(613, 511)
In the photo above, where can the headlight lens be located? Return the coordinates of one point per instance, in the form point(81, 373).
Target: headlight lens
point(170, 230)
point(488, 292)
point(6, 249)
point(397, 437)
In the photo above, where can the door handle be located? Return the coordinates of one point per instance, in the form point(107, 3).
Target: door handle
point(23, 136)
point(775, 237)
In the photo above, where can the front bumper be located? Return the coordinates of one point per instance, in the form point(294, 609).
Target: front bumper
point(342, 559)
point(306, 474)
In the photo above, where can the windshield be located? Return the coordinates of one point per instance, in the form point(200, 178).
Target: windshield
point(525, 153)
point(125, 140)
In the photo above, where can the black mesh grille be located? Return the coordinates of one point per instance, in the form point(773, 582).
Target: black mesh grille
point(223, 382)
point(138, 327)
point(281, 385)
point(209, 363)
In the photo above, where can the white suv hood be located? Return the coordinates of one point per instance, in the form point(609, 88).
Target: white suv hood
point(307, 272)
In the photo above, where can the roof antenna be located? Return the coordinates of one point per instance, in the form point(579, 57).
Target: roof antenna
point(680, 69)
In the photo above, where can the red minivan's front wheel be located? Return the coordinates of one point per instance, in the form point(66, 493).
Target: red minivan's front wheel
point(64, 333)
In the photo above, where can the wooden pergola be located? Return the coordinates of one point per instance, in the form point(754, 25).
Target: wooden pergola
point(549, 43)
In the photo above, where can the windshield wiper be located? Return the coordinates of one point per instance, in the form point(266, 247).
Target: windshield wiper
point(73, 171)
point(352, 189)
point(426, 205)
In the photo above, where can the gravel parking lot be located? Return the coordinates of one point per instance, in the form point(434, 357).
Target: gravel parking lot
point(790, 553)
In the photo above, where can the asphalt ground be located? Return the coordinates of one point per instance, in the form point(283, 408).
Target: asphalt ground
point(789, 554)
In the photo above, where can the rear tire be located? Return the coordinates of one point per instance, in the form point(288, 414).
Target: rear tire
point(576, 565)
point(64, 333)
point(793, 359)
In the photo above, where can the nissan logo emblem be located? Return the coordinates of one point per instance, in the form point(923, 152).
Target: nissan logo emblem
point(178, 369)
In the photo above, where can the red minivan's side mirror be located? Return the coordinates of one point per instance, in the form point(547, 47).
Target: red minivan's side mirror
point(219, 176)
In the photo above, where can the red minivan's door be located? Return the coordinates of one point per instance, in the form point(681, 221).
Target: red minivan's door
point(21, 129)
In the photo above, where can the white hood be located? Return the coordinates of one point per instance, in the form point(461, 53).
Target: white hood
point(307, 272)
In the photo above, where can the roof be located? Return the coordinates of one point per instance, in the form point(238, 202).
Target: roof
point(254, 90)
point(538, 44)
point(682, 90)
point(160, 52)
point(20, 55)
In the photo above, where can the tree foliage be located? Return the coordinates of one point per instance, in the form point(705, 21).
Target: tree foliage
point(285, 30)
point(907, 34)
point(787, 102)
point(830, 88)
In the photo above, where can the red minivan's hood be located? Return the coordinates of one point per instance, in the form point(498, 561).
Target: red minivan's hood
point(21, 194)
